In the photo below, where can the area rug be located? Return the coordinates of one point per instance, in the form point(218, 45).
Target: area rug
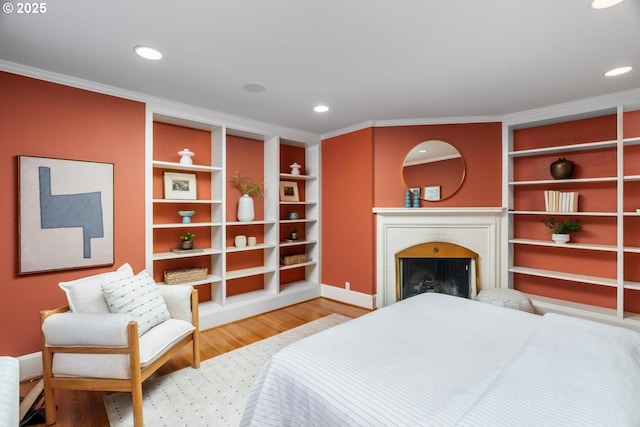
point(215, 394)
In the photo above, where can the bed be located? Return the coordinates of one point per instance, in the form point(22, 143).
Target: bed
point(438, 360)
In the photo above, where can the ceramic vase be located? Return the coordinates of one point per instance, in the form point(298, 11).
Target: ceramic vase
point(246, 212)
point(561, 168)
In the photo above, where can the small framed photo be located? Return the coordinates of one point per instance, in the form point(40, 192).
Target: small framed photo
point(180, 186)
point(432, 193)
point(289, 191)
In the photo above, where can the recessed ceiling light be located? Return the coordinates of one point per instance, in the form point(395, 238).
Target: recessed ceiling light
point(603, 4)
point(618, 71)
point(148, 52)
point(254, 87)
point(320, 108)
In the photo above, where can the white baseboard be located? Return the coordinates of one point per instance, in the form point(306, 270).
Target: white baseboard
point(349, 297)
point(30, 365)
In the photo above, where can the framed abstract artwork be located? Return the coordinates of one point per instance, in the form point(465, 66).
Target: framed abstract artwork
point(65, 214)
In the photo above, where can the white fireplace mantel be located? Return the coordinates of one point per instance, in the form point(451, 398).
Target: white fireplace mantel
point(477, 229)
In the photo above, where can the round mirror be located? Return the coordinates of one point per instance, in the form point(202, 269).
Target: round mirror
point(434, 167)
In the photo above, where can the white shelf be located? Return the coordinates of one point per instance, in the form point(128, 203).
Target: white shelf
point(297, 221)
point(299, 265)
point(179, 166)
point(297, 177)
point(299, 203)
point(190, 225)
point(297, 243)
point(209, 279)
point(230, 249)
point(181, 201)
point(173, 255)
point(565, 181)
point(581, 278)
point(248, 272)
point(237, 223)
point(564, 148)
point(592, 247)
point(632, 141)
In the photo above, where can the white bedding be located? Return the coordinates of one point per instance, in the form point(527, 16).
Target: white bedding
point(436, 360)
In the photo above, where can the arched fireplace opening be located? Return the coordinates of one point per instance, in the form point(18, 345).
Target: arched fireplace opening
point(436, 267)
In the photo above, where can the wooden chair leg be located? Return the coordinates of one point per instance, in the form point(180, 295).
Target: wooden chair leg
point(195, 360)
point(136, 399)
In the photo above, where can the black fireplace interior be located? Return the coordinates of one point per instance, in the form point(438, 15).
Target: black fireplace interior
point(441, 275)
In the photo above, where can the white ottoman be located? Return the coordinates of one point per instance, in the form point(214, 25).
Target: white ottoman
point(506, 297)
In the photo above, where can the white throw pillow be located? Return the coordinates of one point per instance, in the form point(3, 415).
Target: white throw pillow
point(85, 295)
point(138, 297)
point(506, 297)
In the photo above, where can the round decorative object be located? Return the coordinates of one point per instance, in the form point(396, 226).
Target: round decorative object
point(295, 169)
point(186, 216)
point(252, 241)
point(187, 244)
point(561, 239)
point(186, 157)
point(293, 215)
point(561, 168)
point(246, 212)
point(241, 241)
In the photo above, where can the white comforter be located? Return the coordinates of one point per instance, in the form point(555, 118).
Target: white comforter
point(436, 360)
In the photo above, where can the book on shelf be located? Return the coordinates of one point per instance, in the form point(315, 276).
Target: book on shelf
point(560, 201)
point(186, 251)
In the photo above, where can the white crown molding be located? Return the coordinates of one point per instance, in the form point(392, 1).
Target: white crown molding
point(206, 115)
point(348, 129)
point(580, 108)
point(438, 121)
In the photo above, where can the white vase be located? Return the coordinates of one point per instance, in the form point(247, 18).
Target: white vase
point(560, 239)
point(245, 209)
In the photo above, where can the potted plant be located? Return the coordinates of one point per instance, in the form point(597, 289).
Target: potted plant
point(560, 229)
point(187, 240)
point(248, 188)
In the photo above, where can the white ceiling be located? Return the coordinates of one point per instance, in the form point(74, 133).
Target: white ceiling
point(365, 59)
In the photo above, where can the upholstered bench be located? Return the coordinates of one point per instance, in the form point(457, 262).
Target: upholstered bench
point(9, 391)
point(506, 297)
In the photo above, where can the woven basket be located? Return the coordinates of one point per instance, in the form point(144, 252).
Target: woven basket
point(183, 275)
point(294, 259)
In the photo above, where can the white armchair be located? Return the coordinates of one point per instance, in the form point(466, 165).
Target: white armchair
point(117, 330)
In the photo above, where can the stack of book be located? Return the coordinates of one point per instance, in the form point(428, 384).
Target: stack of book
point(560, 201)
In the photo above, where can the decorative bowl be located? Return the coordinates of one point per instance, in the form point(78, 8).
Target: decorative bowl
point(186, 216)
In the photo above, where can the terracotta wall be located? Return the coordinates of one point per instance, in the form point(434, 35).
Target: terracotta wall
point(479, 144)
point(348, 247)
point(363, 170)
point(50, 120)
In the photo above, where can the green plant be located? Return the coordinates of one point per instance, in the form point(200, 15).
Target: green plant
point(565, 226)
point(246, 185)
point(294, 229)
point(188, 236)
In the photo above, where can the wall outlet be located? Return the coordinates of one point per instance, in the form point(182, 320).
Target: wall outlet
point(347, 285)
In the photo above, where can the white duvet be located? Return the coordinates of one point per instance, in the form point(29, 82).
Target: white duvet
point(437, 360)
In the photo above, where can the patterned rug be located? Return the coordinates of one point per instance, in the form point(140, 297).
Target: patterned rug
point(215, 394)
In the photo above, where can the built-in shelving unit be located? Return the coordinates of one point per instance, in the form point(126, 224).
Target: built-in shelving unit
point(240, 281)
point(597, 274)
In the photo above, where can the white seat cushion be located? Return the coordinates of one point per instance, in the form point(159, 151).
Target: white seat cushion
point(152, 344)
point(85, 295)
point(506, 297)
point(139, 297)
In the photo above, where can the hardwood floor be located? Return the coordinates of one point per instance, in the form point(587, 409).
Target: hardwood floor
point(85, 408)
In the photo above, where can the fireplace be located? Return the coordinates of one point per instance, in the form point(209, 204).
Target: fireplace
point(477, 229)
point(438, 267)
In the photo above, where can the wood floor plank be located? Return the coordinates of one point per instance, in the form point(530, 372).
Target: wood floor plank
point(86, 408)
